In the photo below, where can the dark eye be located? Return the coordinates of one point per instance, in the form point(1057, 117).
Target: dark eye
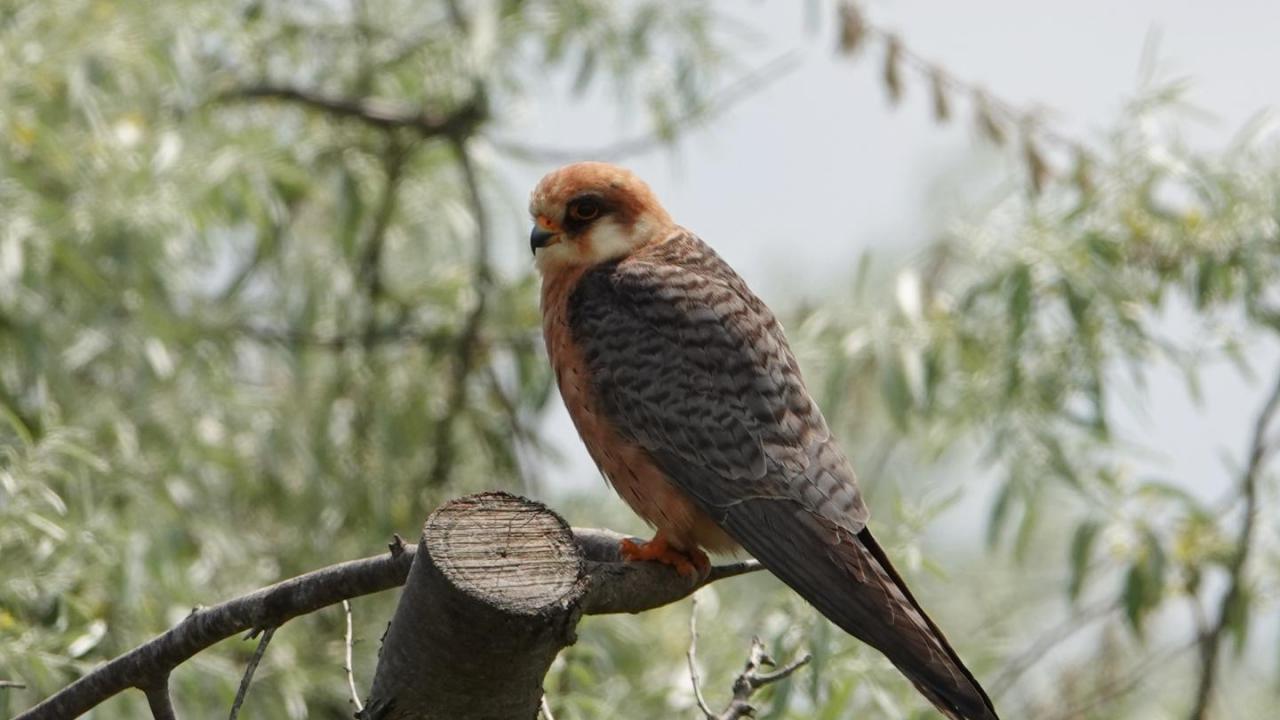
point(584, 209)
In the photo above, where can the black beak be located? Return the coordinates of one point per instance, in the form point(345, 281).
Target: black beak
point(539, 237)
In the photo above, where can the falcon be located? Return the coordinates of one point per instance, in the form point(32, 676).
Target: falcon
point(688, 398)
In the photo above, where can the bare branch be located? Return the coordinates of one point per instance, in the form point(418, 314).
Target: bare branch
point(692, 656)
point(159, 701)
point(618, 586)
point(1259, 453)
point(752, 679)
point(351, 675)
point(749, 680)
point(544, 709)
point(993, 115)
point(250, 669)
point(1020, 663)
point(614, 586)
point(1117, 687)
point(381, 114)
point(391, 334)
point(12, 684)
point(467, 341)
point(271, 606)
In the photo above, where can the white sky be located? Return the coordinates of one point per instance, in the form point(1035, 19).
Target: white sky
point(793, 183)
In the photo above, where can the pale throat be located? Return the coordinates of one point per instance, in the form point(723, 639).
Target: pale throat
point(605, 241)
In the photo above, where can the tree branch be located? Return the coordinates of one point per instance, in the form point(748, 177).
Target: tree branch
point(749, 680)
point(390, 334)
point(692, 657)
point(378, 113)
point(349, 667)
point(613, 586)
point(465, 357)
point(158, 699)
point(271, 606)
point(250, 669)
point(1020, 663)
point(497, 589)
point(1259, 452)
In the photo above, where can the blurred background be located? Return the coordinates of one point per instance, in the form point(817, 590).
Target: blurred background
point(266, 299)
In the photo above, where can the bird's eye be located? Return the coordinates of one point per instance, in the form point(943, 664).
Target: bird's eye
point(585, 209)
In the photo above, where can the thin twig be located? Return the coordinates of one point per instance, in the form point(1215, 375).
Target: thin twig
point(1259, 452)
point(390, 334)
point(748, 681)
point(351, 675)
point(382, 114)
point(395, 157)
point(12, 684)
point(250, 669)
point(1118, 687)
point(744, 87)
point(751, 679)
point(996, 118)
point(1019, 664)
point(159, 701)
point(464, 360)
point(692, 655)
point(544, 707)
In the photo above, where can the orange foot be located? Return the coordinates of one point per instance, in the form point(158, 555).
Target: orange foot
point(686, 562)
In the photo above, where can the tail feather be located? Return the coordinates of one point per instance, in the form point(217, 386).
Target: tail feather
point(939, 701)
point(850, 580)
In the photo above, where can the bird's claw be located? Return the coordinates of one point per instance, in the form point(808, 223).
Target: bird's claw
point(688, 563)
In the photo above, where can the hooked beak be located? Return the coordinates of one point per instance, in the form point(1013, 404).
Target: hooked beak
point(544, 233)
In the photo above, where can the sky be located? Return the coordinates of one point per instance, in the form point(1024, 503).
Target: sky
point(793, 183)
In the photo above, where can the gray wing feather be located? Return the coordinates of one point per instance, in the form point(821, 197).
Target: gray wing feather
point(688, 363)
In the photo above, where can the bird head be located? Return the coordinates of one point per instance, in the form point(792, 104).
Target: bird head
point(590, 212)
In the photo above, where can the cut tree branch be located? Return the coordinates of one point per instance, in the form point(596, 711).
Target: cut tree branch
point(612, 586)
point(498, 586)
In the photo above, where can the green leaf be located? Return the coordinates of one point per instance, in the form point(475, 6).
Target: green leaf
point(1104, 250)
point(1026, 529)
point(1134, 597)
point(897, 394)
point(1019, 303)
point(1082, 541)
point(586, 71)
point(1206, 270)
point(1144, 582)
point(1000, 511)
point(1237, 617)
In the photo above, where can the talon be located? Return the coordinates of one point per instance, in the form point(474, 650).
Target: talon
point(688, 563)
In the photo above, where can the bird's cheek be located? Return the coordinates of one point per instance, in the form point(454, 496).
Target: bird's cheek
point(562, 253)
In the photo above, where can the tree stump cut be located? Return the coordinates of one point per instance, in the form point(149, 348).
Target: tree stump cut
point(493, 595)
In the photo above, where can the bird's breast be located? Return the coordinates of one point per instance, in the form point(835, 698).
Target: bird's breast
point(628, 467)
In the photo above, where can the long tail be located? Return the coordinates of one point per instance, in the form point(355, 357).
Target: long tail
point(939, 696)
point(849, 579)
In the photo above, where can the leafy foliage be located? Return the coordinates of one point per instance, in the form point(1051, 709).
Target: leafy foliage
point(1020, 334)
point(250, 324)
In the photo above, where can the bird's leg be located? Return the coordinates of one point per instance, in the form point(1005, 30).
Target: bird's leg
point(686, 562)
